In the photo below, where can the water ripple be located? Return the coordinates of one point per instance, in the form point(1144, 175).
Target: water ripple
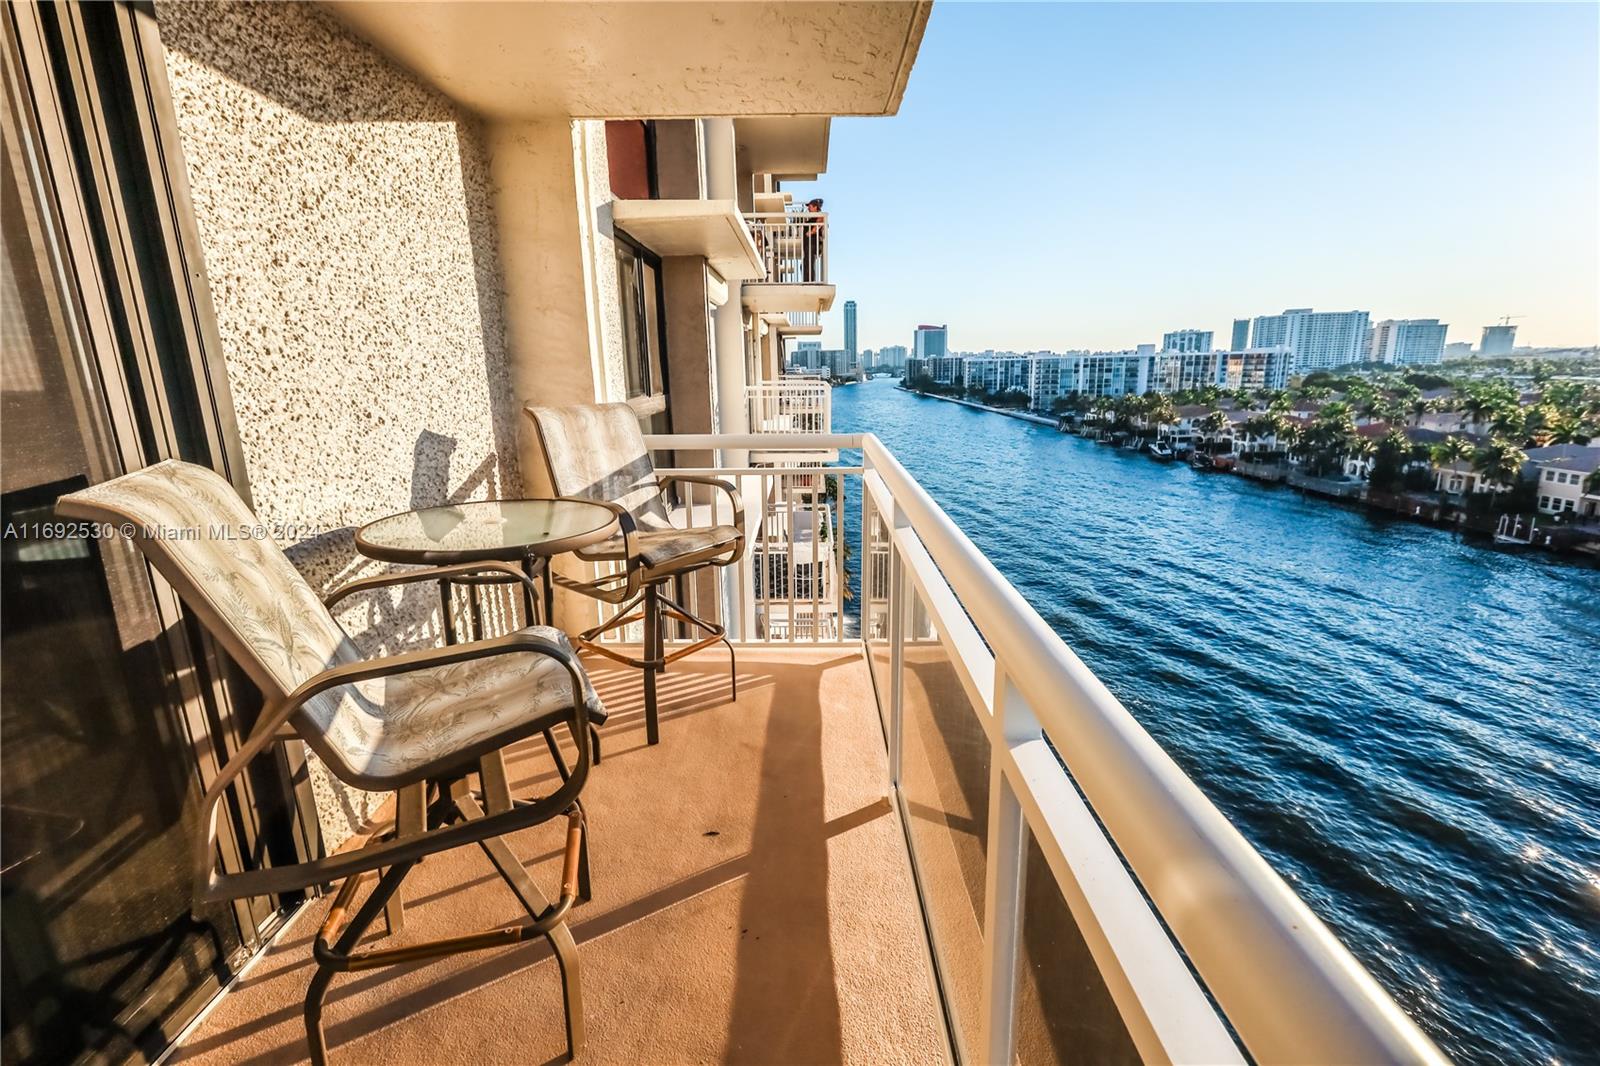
point(1406, 724)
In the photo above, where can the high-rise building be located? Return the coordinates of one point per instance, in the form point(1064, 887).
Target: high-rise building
point(1407, 341)
point(1498, 340)
point(850, 328)
point(1458, 350)
point(1316, 340)
point(1241, 335)
point(1187, 340)
point(930, 342)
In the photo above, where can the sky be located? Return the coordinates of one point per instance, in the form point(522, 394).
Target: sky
point(1093, 175)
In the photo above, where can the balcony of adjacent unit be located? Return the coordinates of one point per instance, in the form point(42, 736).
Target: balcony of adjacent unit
point(922, 831)
point(793, 245)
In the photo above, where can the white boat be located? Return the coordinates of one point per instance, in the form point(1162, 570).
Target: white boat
point(1159, 449)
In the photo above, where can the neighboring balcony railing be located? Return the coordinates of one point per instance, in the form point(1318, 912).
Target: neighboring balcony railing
point(793, 245)
point(1043, 821)
point(792, 405)
point(804, 319)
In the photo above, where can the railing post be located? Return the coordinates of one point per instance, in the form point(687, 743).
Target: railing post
point(1004, 875)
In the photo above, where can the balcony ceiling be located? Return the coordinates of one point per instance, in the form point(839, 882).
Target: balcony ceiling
point(526, 60)
point(790, 149)
point(780, 296)
point(713, 229)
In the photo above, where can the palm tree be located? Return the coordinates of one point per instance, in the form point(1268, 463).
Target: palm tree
point(1389, 457)
point(1452, 450)
point(1212, 427)
point(1499, 463)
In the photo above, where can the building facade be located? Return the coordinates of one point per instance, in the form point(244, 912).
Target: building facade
point(1407, 342)
point(1498, 340)
point(1317, 340)
point(892, 357)
point(850, 330)
point(930, 342)
point(1241, 335)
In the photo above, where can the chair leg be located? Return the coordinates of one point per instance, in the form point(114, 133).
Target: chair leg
point(388, 884)
point(560, 937)
point(585, 891)
point(652, 655)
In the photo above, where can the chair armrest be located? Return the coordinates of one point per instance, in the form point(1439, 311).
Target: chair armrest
point(667, 480)
point(631, 564)
point(210, 885)
point(426, 573)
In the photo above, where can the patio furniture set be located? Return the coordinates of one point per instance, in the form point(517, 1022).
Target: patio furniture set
point(432, 726)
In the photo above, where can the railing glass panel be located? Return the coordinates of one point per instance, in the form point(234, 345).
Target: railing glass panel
point(1064, 1012)
point(944, 780)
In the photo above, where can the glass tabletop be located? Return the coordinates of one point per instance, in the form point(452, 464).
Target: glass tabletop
point(485, 529)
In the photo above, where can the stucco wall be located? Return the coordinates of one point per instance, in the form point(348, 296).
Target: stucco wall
point(348, 226)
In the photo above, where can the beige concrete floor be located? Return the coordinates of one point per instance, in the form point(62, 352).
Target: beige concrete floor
point(752, 901)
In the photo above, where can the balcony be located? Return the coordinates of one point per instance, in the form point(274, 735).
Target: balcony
point(793, 245)
point(923, 828)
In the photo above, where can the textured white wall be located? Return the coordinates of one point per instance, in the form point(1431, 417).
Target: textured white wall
point(348, 226)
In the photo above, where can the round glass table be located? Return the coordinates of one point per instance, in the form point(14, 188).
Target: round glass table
point(528, 532)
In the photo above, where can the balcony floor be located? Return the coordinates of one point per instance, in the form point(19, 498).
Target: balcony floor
point(752, 900)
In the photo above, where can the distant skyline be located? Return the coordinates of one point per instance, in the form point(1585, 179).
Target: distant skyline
point(1095, 175)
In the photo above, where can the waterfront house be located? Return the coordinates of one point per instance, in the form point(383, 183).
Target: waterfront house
point(1562, 473)
point(332, 253)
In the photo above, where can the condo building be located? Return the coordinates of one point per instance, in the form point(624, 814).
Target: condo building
point(1317, 340)
point(1187, 340)
point(998, 373)
point(850, 329)
point(1410, 341)
point(525, 278)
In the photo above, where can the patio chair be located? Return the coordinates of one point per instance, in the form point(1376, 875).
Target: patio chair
point(419, 724)
point(596, 452)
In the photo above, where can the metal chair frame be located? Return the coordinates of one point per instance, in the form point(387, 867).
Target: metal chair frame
point(638, 589)
point(435, 809)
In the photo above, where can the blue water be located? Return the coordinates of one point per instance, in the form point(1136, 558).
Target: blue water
point(1405, 723)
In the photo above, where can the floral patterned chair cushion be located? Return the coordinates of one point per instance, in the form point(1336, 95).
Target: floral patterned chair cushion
point(375, 734)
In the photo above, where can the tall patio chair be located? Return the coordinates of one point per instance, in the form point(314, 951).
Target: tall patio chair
point(596, 452)
point(419, 724)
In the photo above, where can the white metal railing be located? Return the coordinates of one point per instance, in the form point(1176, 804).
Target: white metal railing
point(804, 319)
point(792, 405)
point(1120, 826)
point(793, 245)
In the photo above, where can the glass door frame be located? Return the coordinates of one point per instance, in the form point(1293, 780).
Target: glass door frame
point(90, 113)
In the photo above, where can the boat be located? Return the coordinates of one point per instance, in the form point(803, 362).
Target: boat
point(1160, 450)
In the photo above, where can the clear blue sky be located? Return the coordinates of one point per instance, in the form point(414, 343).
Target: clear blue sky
point(1092, 175)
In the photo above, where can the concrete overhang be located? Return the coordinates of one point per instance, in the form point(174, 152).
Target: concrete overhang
point(713, 229)
point(790, 149)
point(652, 58)
point(771, 296)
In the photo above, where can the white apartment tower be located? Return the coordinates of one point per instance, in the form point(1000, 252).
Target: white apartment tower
point(1316, 340)
point(1407, 341)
